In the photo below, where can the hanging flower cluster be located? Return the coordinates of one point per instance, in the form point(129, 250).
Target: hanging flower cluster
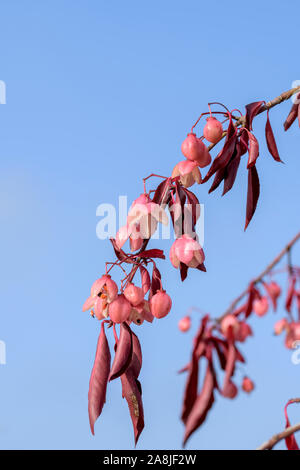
point(129, 303)
point(219, 339)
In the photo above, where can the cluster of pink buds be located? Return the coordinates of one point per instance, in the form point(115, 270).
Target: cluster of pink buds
point(129, 305)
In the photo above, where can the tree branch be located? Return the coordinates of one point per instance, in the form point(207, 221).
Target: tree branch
point(278, 437)
point(270, 104)
point(259, 278)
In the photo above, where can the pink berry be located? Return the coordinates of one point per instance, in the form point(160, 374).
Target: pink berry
point(134, 294)
point(184, 324)
point(230, 391)
point(280, 325)
point(247, 385)
point(261, 306)
point(274, 289)
point(119, 310)
point(193, 148)
point(213, 130)
point(243, 332)
point(160, 304)
point(230, 322)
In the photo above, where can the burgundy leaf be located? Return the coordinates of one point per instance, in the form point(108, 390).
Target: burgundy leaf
point(123, 354)
point(290, 441)
point(271, 142)
point(120, 254)
point(99, 379)
point(252, 194)
point(271, 294)
point(230, 364)
point(194, 202)
point(290, 294)
point(137, 360)
point(162, 192)
point(250, 300)
point(292, 114)
point(219, 177)
point(191, 388)
point(131, 391)
point(156, 280)
point(202, 404)
point(252, 110)
point(230, 177)
point(201, 267)
point(146, 283)
point(154, 253)
point(222, 158)
point(253, 150)
point(183, 271)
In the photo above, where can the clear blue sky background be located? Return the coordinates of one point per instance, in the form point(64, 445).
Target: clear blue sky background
point(100, 94)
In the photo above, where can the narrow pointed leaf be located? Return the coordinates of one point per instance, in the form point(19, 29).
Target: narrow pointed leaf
point(161, 194)
point(131, 391)
point(290, 441)
point(271, 142)
point(145, 276)
point(290, 294)
point(202, 404)
point(252, 109)
point(230, 178)
point(223, 157)
point(292, 116)
point(252, 194)
point(123, 353)
point(99, 379)
point(253, 150)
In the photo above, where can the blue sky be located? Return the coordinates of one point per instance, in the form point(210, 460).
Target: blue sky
point(99, 95)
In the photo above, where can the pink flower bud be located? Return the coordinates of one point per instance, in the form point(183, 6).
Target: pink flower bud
point(243, 332)
point(230, 322)
point(136, 317)
point(274, 289)
point(193, 148)
point(184, 324)
point(188, 173)
point(280, 325)
point(119, 310)
point(230, 390)
point(261, 306)
point(160, 304)
point(186, 250)
point(133, 294)
point(213, 130)
point(247, 385)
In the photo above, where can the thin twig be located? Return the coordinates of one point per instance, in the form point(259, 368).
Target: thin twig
point(270, 104)
point(278, 437)
point(260, 277)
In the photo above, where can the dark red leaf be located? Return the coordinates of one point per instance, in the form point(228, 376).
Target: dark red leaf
point(271, 294)
point(252, 194)
point(120, 254)
point(154, 253)
point(253, 150)
point(194, 202)
point(250, 300)
point(201, 267)
point(202, 404)
point(183, 271)
point(131, 391)
point(137, 360)
point(222, 158)
point(271, 142)
point(123, 354)
point(290, 441)
point(99, 379)
point(231, 173)
point(252, 110)
point(292, 114)
point(290, 294)
point(156, 281)
point(161, 194)
point(230, 363)
point(191, 388)
point(146, 283)
point(219, 177)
